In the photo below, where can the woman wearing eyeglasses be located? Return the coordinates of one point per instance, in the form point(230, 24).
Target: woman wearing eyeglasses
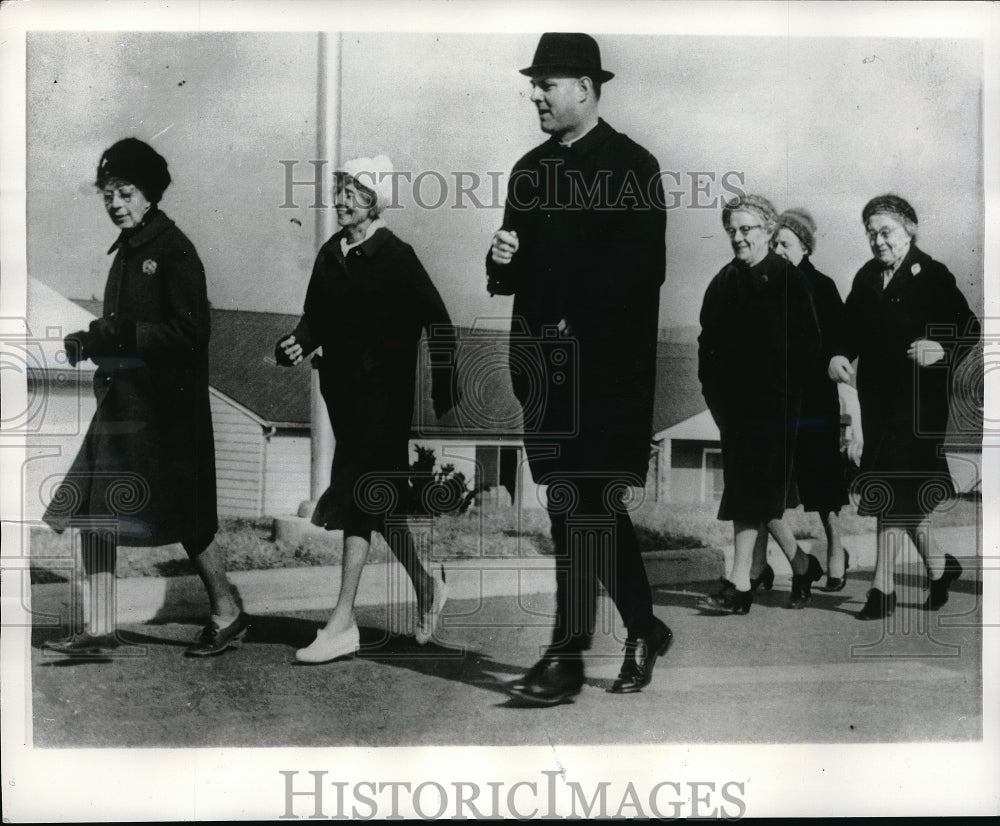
point(759, 336)
point(908, 325)
point(367, 302)
point(145, 474)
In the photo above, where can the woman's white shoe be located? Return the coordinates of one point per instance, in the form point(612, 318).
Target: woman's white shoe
point(428, 621)
point(329, 646)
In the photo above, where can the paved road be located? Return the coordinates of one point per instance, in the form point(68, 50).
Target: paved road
point(775, 676)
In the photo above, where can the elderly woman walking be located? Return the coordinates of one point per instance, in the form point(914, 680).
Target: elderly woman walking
point(819, 470)
point(367, 302)
point(759, 338)
point(908, 325)
point(145, 474)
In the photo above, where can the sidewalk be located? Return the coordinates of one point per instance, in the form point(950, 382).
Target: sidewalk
point(161, 599)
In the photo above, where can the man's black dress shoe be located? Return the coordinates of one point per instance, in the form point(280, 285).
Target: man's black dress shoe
point(214, 640)
point(641, 654)
point(556, 678)
point(83, 644)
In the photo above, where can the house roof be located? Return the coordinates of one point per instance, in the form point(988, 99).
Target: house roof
point(241, 365)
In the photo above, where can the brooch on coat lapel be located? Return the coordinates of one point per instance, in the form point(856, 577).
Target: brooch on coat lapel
point(148, 267)
point(915, 269)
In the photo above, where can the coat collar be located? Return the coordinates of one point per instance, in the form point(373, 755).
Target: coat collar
point(149, 229)
point(368, 247)
point(904, 274)
point(589, 143)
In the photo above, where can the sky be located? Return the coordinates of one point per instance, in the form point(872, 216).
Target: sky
point(824, 123)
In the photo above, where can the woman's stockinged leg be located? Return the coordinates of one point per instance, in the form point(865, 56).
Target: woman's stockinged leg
point(890, 538)
point(745, 535)
point(759, 555)
point(920, 533)
point(404, 547)
point(786, 540)
point(99, 555)
point(835, 560)
point(211, 567)
point(355, 555)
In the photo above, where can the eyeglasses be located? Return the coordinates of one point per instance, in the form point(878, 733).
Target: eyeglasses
point(126, 193)
point(744, 230)
point(883, 234)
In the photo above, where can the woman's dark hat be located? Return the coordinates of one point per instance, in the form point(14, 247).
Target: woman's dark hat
point(577, 53)
point(138, 163)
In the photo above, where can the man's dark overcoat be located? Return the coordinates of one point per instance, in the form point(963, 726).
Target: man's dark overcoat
point(591, 223)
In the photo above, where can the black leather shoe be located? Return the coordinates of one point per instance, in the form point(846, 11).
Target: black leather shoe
point(214, 640)
point(732, 600)
point(83, 644)
point(721, 597)
point(940, 586)
point(837, 583)
point(878, 605)
point(641, 654)
point(556, 678)
point(765, 580)
point(802, 583)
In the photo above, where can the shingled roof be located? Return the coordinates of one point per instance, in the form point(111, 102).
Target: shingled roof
point(241, 366)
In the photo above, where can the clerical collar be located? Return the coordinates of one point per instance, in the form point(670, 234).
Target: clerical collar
point(579, 137)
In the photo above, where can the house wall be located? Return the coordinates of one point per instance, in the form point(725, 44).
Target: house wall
point(239, 459)
point(286, 471)
point(68, 408)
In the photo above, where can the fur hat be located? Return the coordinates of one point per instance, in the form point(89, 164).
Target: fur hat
point(752, 203)
point(138, 163)
point(799, 221)
point(891, 204)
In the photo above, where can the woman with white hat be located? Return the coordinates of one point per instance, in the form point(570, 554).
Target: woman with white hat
point(367, 302)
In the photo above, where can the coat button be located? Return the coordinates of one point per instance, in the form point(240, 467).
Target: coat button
point(111, 315)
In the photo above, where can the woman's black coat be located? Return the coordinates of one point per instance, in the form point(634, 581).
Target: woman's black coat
point(904, 407)
point(819, 468)
point(148, 459)
point(759, 338)
point(367, 312)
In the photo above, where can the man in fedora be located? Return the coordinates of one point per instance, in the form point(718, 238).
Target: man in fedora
point(581, 250)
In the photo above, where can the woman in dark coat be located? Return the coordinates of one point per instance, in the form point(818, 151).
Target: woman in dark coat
point(366, 304)
point(146, 471)
point(759, 338)
point(819, 470)
point(908, 325)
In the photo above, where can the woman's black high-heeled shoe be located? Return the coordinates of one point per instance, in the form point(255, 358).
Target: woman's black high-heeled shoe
point(878, 605)
point(802, 583)
point(731, 600)
point(765, 580)
point(837, 583)
point(940, 586)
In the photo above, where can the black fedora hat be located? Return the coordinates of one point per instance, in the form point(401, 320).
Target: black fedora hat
point(568, 51)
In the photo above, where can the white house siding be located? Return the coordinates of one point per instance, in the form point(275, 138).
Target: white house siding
point(53, 444)
point(239, 459)
point(286, 471)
